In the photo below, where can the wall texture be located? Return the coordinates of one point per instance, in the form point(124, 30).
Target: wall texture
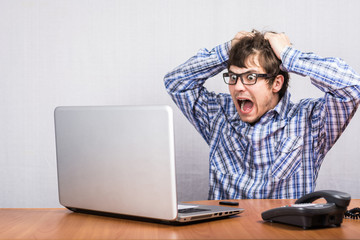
point(92, 52)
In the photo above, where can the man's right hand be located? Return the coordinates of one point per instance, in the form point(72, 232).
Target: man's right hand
point(238, 36)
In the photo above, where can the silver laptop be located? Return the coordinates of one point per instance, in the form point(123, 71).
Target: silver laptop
point(119, 160)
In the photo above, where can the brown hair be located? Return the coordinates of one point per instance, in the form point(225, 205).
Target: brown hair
point(254, 45)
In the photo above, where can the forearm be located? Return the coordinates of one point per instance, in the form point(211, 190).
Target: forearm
point(330, 75)
point(193, 73)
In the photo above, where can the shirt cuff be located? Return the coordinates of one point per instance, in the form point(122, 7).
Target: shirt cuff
point(289, 56)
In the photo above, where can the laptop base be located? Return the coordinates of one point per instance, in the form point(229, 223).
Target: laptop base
point(150, 220)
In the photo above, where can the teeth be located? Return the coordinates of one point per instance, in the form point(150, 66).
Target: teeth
point(242, 103)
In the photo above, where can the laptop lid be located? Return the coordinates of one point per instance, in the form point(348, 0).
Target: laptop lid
point(117, 159)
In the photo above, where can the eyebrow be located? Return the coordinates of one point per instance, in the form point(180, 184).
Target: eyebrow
point(250, 71)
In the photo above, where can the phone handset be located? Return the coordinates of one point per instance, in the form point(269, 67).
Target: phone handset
point(306, 214)
point(340, 199)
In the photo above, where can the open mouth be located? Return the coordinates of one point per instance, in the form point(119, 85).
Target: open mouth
point(245, 105)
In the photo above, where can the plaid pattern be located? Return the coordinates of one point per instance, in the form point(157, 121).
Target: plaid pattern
point(280, 156)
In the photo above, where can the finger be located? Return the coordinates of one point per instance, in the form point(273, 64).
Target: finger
point(269, 35)
point(241, 34)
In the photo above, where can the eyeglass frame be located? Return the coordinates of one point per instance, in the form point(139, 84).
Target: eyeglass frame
point(257, 75)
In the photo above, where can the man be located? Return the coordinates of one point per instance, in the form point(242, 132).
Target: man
point(262, 145)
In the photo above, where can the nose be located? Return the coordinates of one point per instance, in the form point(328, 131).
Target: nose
point(239, 86)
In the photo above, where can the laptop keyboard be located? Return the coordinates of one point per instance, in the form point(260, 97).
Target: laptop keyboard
point(192, 210)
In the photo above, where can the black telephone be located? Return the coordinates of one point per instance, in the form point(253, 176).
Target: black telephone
point(306, 214)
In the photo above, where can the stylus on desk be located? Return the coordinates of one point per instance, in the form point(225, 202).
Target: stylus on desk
point(229, 203)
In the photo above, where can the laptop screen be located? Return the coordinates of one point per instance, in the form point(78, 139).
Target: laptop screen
point(117, 159)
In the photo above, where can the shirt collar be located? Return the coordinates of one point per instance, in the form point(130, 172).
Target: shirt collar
point(283, 106)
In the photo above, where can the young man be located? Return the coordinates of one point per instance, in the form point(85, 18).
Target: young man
point(262, 145)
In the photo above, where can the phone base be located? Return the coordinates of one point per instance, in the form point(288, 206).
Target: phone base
point(306, 214)
point(308, 222)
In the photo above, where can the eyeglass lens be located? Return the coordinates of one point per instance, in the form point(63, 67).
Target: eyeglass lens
point(246, 78)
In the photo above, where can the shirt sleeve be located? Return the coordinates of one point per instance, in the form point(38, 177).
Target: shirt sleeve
point(185, 85)
point(341, 87)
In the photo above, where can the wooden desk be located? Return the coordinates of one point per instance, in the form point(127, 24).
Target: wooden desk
point(61, 223)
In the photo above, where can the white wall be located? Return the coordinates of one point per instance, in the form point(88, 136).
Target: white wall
point(111, 52)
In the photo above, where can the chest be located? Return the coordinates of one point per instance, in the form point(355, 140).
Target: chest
point(262, 147)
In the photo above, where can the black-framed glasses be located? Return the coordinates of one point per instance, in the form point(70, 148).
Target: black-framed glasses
point(247, 78)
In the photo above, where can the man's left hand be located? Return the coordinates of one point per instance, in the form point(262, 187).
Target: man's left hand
point(278, 42)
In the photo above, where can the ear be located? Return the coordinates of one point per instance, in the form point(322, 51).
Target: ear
point(278, 83)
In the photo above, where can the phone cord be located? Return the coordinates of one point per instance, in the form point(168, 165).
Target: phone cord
point(353, 213)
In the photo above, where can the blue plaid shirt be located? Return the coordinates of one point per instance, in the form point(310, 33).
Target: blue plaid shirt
point(280, 156)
